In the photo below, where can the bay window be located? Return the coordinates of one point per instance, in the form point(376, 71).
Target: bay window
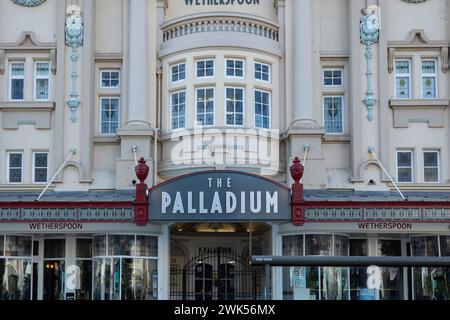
point(403, 79)
point(205, 106)
point(178, 109)
point(42, 80)
point(17, 80)
point(429, 79)
point(234, 106)
point(262, 109)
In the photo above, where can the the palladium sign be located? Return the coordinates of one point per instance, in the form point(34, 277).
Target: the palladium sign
point(220, 196)
point(220, 2)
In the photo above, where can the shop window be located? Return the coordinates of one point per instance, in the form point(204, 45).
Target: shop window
point(109, 115)
point(293, 245)
point(391, 278)
point(318, 245)
point(431, 166)
point(205, 106)
point(205, 68)
point(262, 72)
point(333, 77)
point(99, 246)
point(40, 167)
point(405, 166)
point(17, 80)
point(55, 248)
point(110, 79)
point(234, 68)
point(178, 72)
point(359, 275)
point(333, 114)
point(18, 246)
point(42, 80)
point(178, 108)
point(445, 246)
point(429, 79)
point(15, 167)
point(83, 289)
point(235, 106)
point(2, 245)
point(120, 245)
point(262, 109)
point(403, 79)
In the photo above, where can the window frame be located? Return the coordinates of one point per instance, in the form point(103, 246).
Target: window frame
point(429, 75)
point(214, 106)
point(325, 69)
point(33, 173)
point(334, 96)
point(12, 77)
point(213, 68)
point(110, 71)
point(262, 64)
point(403, 75)
point(36, 78)
point(243, 106)
point(171, 72)
point(438, 167)
point(171, 109)
point(234, 76)
point(100, 104)
point(8, 153)
point(411, 151)
point(270, 108)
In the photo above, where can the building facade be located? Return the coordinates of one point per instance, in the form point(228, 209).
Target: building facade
point(219, 98)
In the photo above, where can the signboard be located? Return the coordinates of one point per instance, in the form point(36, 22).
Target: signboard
point(220, 2)
point(220, 196)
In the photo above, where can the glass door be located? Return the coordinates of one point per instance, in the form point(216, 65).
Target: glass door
point(54, 269)
point(391, 278)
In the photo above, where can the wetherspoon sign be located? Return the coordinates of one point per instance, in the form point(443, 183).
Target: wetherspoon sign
point(220, 196)
point(220, 2)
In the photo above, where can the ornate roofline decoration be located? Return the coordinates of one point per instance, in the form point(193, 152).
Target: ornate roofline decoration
point(417, 40)
point(414, 1)
point(28, 3)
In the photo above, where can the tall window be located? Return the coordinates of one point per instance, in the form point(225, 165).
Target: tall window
point(42, 80)
point(205, 68)
point(40, 167)
point(332, 77)
point(205, 106)
point(17, 76)
point(15, 167)
point(405, 166)
point(333, 114)
point(235, 106)
point(234, 68)
point(178, 107)
point(110, 108)
point(431, 166)
point(110, 79)
point(178, 72)
point(262, 72)
point(429, 79)
point(262, 109)
point(403, 79)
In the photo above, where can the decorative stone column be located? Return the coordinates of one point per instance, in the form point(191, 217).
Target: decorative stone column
point(137, 133)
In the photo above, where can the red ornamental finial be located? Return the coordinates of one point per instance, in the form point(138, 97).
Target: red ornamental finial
point(142, 170)
point(297, 170)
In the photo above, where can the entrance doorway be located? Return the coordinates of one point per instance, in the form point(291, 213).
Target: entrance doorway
point(211, 261)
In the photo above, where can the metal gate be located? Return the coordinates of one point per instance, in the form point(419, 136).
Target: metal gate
point(217, 276)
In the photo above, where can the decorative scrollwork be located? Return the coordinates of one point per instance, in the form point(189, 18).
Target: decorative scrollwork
point(28, 3)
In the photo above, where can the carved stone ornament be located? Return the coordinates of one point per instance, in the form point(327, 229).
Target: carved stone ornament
point(28, 3)
point(74, 30)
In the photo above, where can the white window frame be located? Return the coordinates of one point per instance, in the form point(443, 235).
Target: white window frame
point(412, 165)
point(270, 108)
point(262, 64)
point(171, 72)
point(403, 75)
point(34, 167)
point(8, 153)
point(243, 107)
point(205, 60)
point(36, 78)
point(429, 75)
point(332, 78)
point(438, 152)
point(110, 71)
point(171, 109)
point(214, 106)
point(234, 76)
point(342, 97)
point(100, 115)
point(11, 77)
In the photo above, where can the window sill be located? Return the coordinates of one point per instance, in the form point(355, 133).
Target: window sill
point(36, 113)
point(25, 187)
point(337, 138)
point(105, 139)
point(430, 111)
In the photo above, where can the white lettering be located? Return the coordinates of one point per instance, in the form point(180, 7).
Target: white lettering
point(190, 208)
point(216, 206)
point(272, 201)
point(255, 208)
point(178, 205)
point(201, 202)
point(231, 202)
point(228, 182)
point(165, 201)
point(243, 210)
point(210, 182)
